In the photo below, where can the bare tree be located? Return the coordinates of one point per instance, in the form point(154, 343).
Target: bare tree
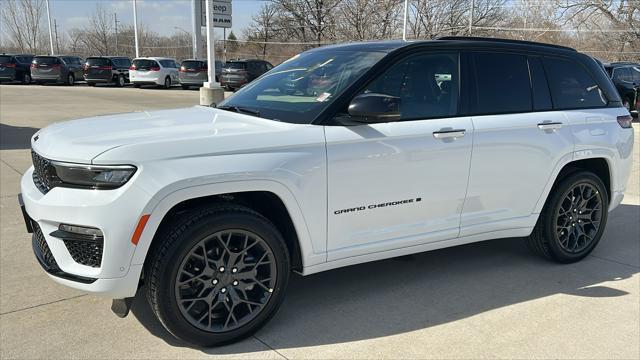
point(367, 19)
point(263, 27)
point(308, 20)
point(22, 21)
point(99, 31)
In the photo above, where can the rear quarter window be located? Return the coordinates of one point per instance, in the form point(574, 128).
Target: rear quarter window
point(571, 85)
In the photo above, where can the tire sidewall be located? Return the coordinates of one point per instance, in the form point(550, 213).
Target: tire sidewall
point(120, 82)
point(26, 79)
point(550, 228)
point(167, 306)
point(70, 80)
point(167, 82)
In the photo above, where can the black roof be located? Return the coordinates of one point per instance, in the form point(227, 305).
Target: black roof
point(454, 41)
point(4, 54)
point(107, 57)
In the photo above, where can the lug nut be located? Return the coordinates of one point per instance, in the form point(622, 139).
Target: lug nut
point(223, 290)
point(234, 270)
point(214, 282)
point(235, 283)
point(221, 269)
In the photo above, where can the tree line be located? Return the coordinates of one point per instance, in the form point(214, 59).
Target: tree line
point(607, 29)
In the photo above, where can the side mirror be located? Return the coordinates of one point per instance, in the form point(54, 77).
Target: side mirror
point(374, 108)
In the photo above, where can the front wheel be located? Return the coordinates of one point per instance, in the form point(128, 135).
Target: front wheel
point(217, 275)
point(573, 220)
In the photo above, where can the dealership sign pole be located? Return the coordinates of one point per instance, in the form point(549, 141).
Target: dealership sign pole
point(211, 93)
point(135, 27)
point(50, 33)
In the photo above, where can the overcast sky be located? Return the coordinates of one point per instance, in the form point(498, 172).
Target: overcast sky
point(161, 16)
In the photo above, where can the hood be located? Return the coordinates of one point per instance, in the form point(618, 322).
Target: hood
point(81, 141)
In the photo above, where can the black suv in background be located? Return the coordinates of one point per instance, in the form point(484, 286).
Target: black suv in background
point(238, 73)
point(15, 68)
point(56, 69)
point(107, 69)
point(626, 78)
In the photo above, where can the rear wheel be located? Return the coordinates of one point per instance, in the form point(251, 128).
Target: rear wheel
point(573, 220)
point(26, 79)
point(167, 82)
point(120, 81)
point(70, 80)
point(217, 275)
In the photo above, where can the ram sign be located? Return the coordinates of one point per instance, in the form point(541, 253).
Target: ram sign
point(221, 13)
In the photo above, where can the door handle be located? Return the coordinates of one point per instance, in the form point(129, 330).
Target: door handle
point(550, 125)
point(447, 134)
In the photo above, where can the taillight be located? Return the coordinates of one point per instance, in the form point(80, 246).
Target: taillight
point(132, 67)
point(33, 66)
point(85, 67)
point(202, 69)
point(9, 65)
point(625, 121)
point(155, 68)
point(183, 69)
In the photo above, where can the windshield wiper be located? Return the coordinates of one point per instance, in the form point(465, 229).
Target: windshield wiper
point(240, 110)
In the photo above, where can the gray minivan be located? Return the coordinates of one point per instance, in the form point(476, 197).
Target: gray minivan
point(194, 72)
point(56, 69)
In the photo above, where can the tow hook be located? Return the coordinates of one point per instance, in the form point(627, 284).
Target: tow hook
point(121, 307)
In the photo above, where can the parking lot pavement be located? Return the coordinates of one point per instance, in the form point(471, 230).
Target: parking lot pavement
point(486, 300)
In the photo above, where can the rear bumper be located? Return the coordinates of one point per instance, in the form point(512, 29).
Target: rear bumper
point(46, 78)
point(98, 80)
point(8, 78)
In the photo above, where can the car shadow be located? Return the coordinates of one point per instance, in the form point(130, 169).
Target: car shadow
point(15, 137)
point(395, 296)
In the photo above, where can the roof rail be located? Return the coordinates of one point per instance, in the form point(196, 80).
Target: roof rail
point(505, 41)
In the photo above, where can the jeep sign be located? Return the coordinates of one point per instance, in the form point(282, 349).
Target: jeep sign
point(221, 13)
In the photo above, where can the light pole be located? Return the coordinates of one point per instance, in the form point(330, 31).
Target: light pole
point(50, 32)
point(115, 19)
point(135, 27)
point(404, 23)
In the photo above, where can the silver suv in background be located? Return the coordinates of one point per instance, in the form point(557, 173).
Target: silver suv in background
point(194, 72)
point(107, 69)
point(56, 69)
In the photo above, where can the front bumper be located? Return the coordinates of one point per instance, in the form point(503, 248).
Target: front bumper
point(115, 212)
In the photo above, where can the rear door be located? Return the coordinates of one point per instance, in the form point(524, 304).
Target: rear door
point(46, 67)
point(518, 141)
point(400, 184)
point(144, 70)
point(99, 69)
point(7, 67)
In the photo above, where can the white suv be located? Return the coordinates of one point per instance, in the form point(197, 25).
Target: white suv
point(340, 155)
point(154, 71)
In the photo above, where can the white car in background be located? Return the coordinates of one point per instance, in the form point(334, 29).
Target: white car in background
point(157, 71)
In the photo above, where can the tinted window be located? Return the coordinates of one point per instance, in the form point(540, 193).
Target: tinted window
point(635, 74)
point(571, 86)
point(427, 85)
point(45, 60)
point(541, 94)
point(168, 63)
point(24, 59)
point(193, 65)
point(144, 64)
point(5, 59)
point(502, 82)
point(621, 74)
point(98, 62)
point(235, 65)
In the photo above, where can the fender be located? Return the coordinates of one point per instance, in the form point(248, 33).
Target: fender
point(606, 154)
point(158, 208)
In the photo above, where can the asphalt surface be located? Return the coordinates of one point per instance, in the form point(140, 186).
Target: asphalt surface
point(487, 300)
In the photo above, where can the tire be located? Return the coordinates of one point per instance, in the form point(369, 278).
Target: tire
point(70, 80)
point(26, 79)
point(179, 248)
point(185, 87)
point(556, 236)
point(120, 81)
point(167, 82)
point(627, 103)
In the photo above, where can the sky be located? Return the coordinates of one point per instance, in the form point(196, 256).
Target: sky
point(161, 16)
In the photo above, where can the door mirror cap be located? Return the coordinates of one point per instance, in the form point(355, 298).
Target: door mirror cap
point(374, 108)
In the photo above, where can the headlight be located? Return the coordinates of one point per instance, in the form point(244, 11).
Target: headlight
point(93, 176)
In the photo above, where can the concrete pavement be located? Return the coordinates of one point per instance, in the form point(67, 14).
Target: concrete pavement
point(486, 300)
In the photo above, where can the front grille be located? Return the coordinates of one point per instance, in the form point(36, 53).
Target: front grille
point(85, 252)
point(42, 249)
point(44, 174)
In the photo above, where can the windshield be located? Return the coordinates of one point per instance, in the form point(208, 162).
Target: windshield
point(297, 90)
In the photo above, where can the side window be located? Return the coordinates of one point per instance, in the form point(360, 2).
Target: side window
point(571, 86)
point(427, 85)
point(164, 63)
point(621, 74)
point(269, 66)
point(635, 74)
point(541, 94)
point(116, 62)
point(502, 83)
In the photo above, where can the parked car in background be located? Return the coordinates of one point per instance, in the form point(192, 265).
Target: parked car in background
point(15, 68)
point(56, 69)
point(626, 78)
point(238, 73)
point(107, 69)
point(194, 72)
point(154, 71)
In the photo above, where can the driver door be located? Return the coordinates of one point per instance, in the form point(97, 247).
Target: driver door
point(400, 184)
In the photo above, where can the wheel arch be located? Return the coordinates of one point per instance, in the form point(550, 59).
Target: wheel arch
point(271, 201)
point(600, 166)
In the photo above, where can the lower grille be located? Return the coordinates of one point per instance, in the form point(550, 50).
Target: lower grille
point(42, 249)
point(85, 252)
